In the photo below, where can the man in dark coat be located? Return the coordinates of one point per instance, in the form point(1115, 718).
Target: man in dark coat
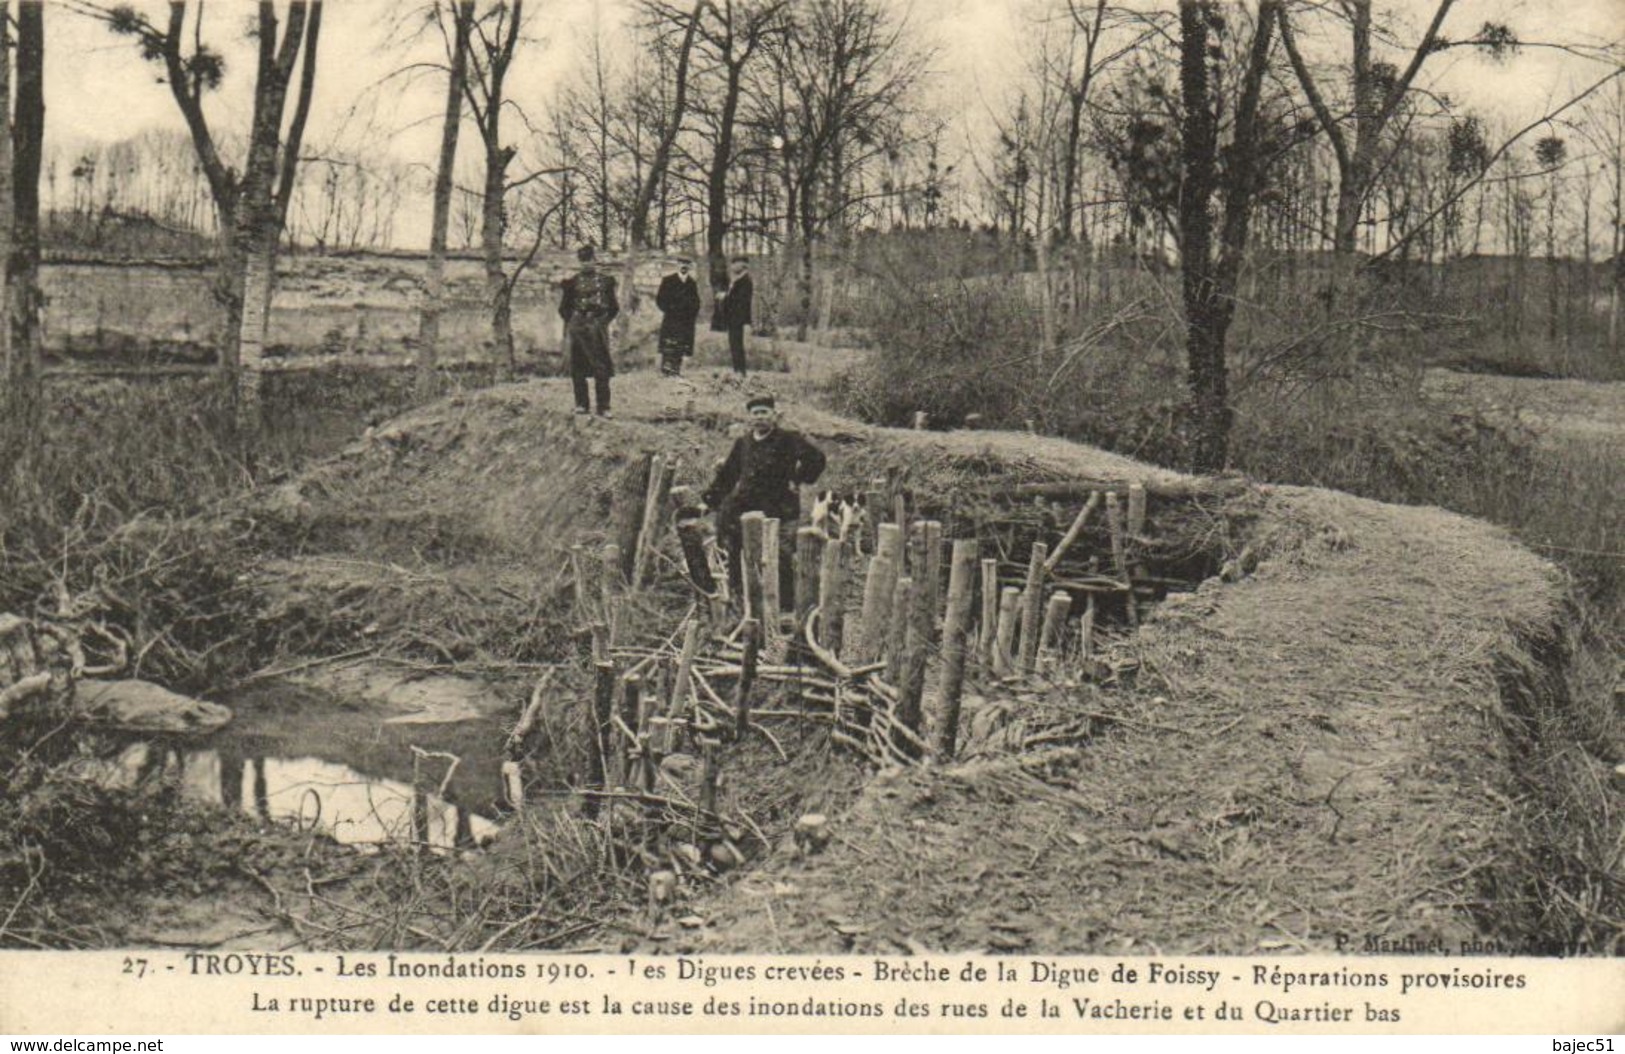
point(679, 302)
point(734, 311)
point(588, 306)
point(762, 472)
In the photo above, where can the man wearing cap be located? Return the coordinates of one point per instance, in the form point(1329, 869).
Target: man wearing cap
point(679, 302)
point(588, 306)
point(761, 474)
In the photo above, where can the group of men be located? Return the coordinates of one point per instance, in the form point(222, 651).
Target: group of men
point(589, 304)
point(768, 465)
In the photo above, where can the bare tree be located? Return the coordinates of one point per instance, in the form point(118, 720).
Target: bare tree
point(732, 37)
point(1550, 153)
point(671, 122)
point(844, 75)
point(1083, 59)
point(494, 36)
point(461, 14)
point(19, 221)
point(1209, 280)
point(251, 204)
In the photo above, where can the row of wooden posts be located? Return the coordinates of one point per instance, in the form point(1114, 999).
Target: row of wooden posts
point(863, 671)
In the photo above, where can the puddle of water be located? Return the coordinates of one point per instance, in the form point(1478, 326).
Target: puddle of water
point(296, 756)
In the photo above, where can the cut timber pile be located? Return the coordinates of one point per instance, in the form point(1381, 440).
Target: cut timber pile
point(1312, 751)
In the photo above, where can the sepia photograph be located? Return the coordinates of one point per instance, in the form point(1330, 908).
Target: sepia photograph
point(555, 486)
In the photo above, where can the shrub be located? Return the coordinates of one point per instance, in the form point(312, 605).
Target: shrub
point(949, 353)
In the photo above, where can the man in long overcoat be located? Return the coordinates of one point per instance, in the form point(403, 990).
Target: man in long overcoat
point(735, 311)
point(588, 305)
point(679, 302)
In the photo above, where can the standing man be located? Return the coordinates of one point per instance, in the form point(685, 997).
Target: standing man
point(762, 472)
point(734, 311)
point(588, 306)
point(679, 302)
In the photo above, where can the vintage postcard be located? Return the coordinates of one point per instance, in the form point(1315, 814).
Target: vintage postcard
point(1047, 516)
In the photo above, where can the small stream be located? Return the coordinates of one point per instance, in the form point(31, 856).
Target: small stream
point(322, 763)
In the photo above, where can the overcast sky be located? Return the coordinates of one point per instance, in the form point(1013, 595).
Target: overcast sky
point(98, 89)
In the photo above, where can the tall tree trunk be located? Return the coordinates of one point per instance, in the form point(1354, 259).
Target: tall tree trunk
point(258, 213)
point(258, 245)
point(1551, 258)
point(1204, 343)
point(8, 368)
point(493, 227)
point(716, 184)
point(1069, 173)
point(25, 384)
point(1617, 271)
point(804, 280)
point(434, 281)
point(656, 176)
point(1209, 288)
point(485, 93)
point(1356, 160)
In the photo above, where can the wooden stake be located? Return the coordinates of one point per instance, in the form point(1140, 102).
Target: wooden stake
point(809, 555)
point(771, 625)
point(600, 757)
point(900, 513)
point(902, 603)
point(691, 536)
point(1136, 509)
point(931, 569)
point(911, 688)
point(632, 701)
point(513, 787)
point(1086, 631)
point(1060, 602)
point(683, 683)
point(1003, 657)
point(600, 641)
point(877, 597)
point(750, 526)
point(874, 506)
point(646, 761)
point(1034, 598)
point(708, 777)
point(889, 543)
point(646, 516)
point(1114, 522)
point(627, 506)
point(1073, 531)
point(832, 598)
point(747, 676)
point(956, 620)
point(661, 473)
point(990, 611)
